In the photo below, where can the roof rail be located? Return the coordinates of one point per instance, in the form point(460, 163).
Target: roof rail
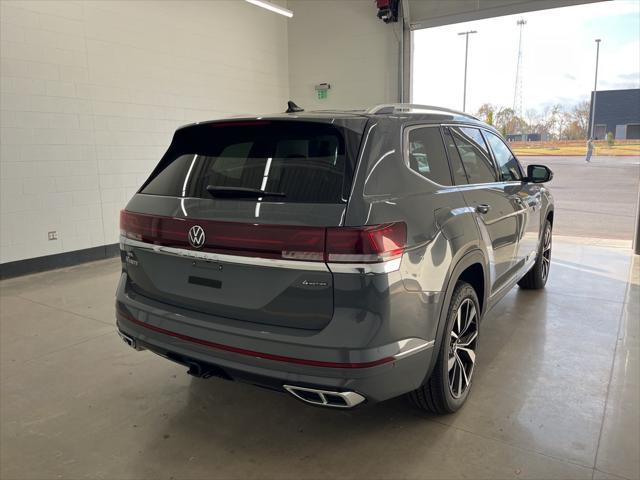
point(387, 108)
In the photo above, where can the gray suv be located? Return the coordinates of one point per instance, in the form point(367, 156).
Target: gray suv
point(342, 257)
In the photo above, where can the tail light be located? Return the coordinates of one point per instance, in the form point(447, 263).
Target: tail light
point(367, 244)
point(231, 238)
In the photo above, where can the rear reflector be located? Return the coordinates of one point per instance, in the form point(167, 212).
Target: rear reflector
point(368, 244)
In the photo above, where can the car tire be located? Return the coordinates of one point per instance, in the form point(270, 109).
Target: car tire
point(448, 387)
point(537, 276)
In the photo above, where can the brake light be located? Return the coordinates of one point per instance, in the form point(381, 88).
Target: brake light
point(250, 123)
point(368, 244)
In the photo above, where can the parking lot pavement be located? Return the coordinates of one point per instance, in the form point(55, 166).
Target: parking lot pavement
point(596, 199)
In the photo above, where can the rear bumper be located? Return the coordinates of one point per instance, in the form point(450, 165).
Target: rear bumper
point(377, 373)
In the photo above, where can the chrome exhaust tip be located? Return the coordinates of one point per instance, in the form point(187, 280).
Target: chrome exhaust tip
point(325, 398)
point(129, 341)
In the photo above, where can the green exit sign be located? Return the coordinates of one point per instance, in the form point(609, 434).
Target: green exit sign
point(322, 90)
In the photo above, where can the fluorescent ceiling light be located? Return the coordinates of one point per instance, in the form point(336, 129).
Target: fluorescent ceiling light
point(273, 7)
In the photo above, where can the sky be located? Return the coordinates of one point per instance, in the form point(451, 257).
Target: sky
point(558, 60)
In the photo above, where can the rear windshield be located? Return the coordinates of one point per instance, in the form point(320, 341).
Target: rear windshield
point(307, 162)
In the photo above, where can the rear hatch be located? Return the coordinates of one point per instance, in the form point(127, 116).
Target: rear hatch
point(233, 220)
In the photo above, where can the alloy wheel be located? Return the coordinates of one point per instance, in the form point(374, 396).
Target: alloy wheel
point(546, 253)
point(462, 348)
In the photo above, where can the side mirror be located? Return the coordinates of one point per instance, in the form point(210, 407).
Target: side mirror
point(538, 174)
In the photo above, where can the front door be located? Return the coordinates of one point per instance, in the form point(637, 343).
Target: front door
point(527, 196)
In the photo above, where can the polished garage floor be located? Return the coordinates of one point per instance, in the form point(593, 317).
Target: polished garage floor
point(557, 393)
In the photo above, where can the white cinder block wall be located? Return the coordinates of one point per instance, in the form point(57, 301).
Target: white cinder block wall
point(342, 43)
point(92, 91)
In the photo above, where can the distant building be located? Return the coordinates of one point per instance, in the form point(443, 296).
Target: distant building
point(618, 112)
point(526, 137)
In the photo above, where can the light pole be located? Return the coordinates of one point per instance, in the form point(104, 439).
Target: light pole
point(466, 54)
point(595, 89)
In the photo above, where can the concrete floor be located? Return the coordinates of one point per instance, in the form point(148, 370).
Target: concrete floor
point(594, 199)
point(556, 395)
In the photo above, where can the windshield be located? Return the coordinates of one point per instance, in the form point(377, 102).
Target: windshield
point(295, 161)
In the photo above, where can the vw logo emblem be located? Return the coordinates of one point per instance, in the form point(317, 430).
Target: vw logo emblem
point(196, 236)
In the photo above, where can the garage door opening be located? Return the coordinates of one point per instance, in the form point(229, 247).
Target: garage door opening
point(531, 76)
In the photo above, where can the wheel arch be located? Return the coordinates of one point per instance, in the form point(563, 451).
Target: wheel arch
point(471, 268)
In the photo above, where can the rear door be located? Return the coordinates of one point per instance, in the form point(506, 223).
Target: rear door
point(232, 221)
point(526, 195)
point(498, 215)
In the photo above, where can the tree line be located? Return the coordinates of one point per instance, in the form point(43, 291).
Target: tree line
point(555, 122)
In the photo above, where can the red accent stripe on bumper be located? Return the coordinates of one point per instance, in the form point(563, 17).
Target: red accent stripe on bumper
point(252, 353)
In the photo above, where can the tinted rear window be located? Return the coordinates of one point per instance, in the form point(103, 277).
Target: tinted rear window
point(427, 155)
point(308, 162)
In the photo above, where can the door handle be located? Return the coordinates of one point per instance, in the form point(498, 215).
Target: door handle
point(483, 208)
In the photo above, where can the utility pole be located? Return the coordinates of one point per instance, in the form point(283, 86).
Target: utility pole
point(517, 90)
point(466, 55)
point(595, 89)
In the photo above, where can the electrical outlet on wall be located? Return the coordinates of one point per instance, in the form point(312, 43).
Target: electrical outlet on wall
point(53, 235)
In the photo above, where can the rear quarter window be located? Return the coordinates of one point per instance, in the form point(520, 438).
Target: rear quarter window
point(426, 154)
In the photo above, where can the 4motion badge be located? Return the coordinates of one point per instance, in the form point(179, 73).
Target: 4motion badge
point(130, 258)
point(313, 283)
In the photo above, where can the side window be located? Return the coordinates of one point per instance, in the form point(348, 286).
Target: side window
point(507, 163)
point(474, 154)
point(459, 175)
point(476, 136)
point(427, 156)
